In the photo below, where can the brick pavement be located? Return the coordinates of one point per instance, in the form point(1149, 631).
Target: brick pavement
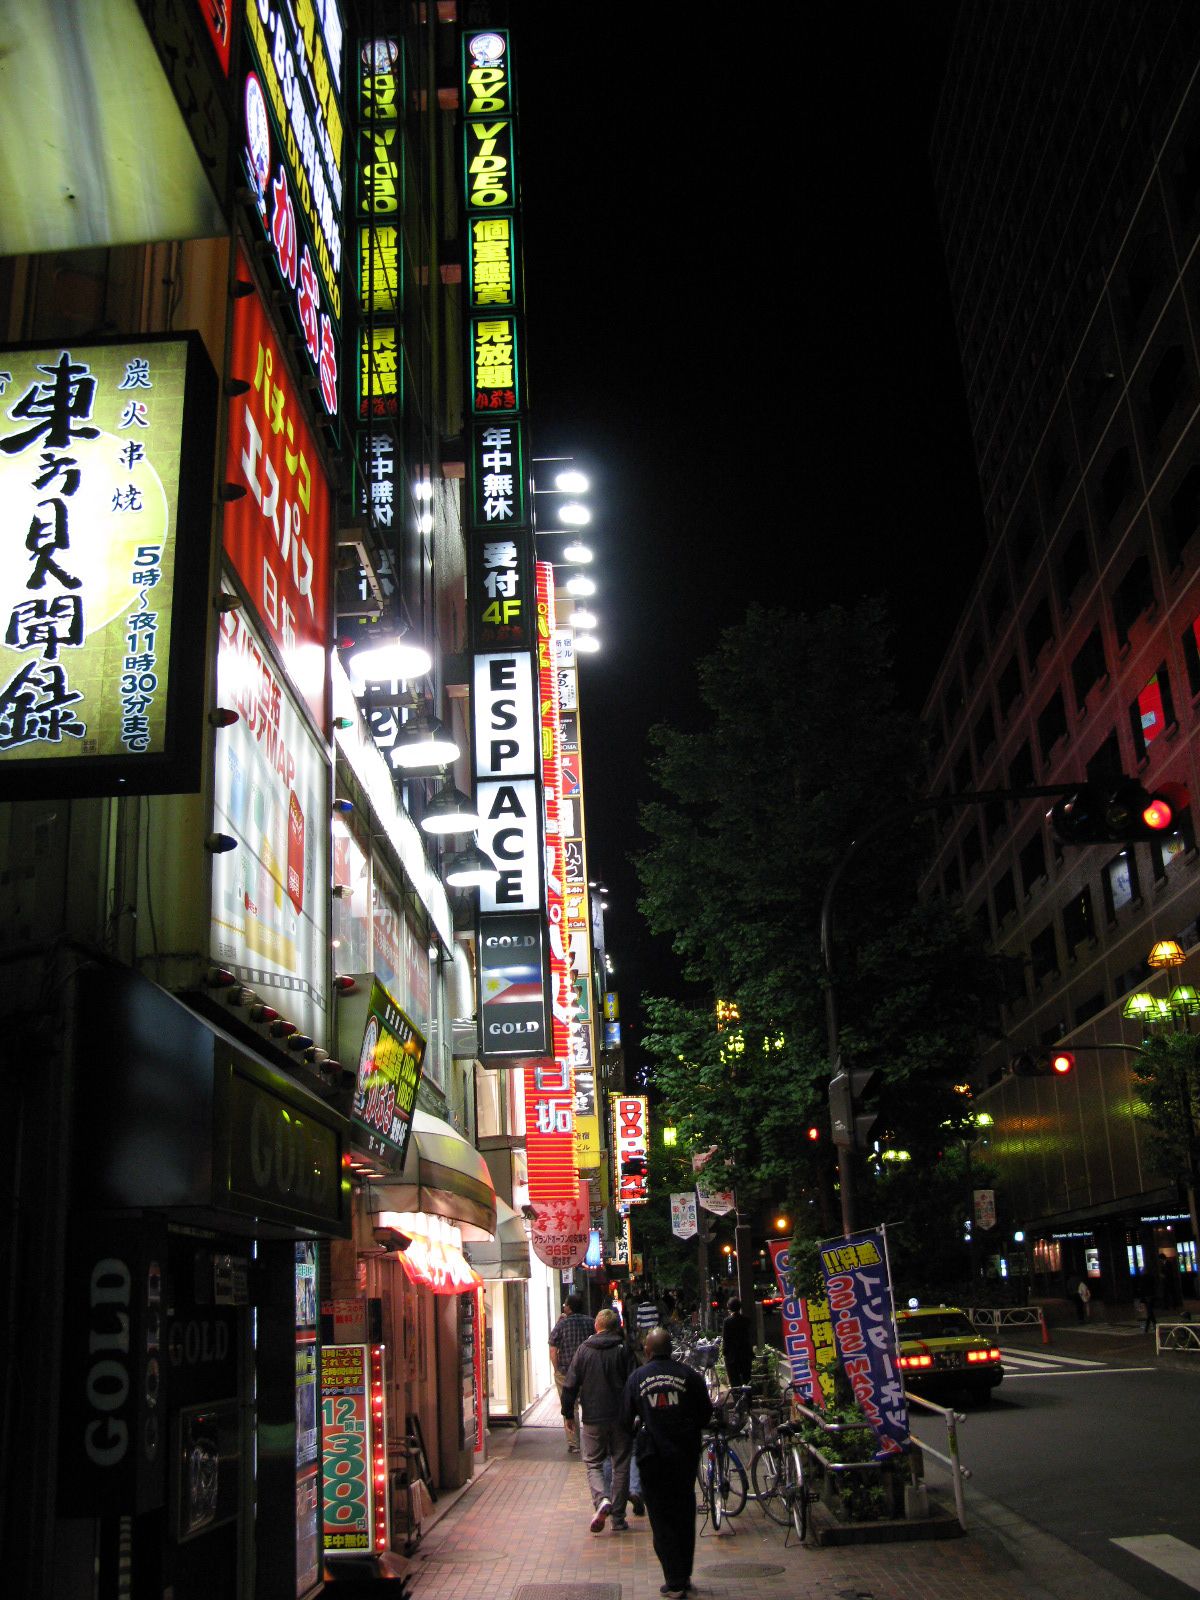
point(524, 1520)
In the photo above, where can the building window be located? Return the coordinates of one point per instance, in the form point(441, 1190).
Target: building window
point(1087, 1009)
point(1152, 713)
point(1004, 897)
point(1075, 566)
point(1183, 517)
point(1174, 845)
point(1008, 685)
point(1039, 630)
point(1106, 763)
point(1191, 654)
point(985, 733)
point(1119, 880)
point(1088, 667)
point(1078, 923)
point(1052, 724)
point(1134, 595)
point(1043, 954)
point(1033, 862)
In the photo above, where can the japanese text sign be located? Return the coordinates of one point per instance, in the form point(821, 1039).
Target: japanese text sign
point(389, 1074)
point(684, 1224)
point(346, 1447)
point(860, 1306)
point(278, 534)
point(550, 1132)
point(630, 1145)
point(797, 1335)
point(105, 458)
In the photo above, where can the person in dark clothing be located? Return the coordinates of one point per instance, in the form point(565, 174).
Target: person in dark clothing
point(568, 1333)
point(597, 1375)
point(737, 1345)
point(666, 1406)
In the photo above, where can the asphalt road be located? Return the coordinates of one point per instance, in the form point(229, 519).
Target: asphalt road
point(1094, 1449)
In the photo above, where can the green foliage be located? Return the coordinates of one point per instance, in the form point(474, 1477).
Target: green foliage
point(804, 747)
point(1167, 1072)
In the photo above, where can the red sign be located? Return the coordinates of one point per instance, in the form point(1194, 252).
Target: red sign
point(278, 534)
point(797, 1335)
point(630, 1145)
point(217, 21)
point(562, 994)
point(561, 1230)
point(550, 1132)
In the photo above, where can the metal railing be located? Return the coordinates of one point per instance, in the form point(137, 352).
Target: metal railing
point(1005, 1316)
point(1177, 1336)
point(951, 1460)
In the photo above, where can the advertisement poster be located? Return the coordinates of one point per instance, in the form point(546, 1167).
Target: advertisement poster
point(346, 1448)
point(271, 794)
point(860, 1307)
point(797, 1334)
point(630, 1135)
point(684, 1224)
point(277, 534)
point(94, 652)
point(389, 1073)
point(561, 1229)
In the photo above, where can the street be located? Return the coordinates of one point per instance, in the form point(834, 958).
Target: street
point(1100, 1452)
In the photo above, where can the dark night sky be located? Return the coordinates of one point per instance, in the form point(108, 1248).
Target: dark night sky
point(738, 323)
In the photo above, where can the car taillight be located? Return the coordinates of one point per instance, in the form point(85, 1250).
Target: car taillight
point(916, 1361)
point(983, 1355)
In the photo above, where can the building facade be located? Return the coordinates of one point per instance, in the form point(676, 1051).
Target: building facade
point(1066, 156)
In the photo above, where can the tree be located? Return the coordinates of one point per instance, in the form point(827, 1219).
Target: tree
point(804, 744)
point(1167, 1071)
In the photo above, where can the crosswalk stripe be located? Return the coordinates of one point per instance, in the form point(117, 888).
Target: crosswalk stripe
point(1169, 1554)
point(1094, 1372)
point(1021, 1357)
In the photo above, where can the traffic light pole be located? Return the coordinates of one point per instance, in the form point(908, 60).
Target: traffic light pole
point(893, 819)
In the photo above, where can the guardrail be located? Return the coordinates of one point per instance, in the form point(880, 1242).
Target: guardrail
point(1177, 1336)
point(1006, 1316)
point(951, 1460)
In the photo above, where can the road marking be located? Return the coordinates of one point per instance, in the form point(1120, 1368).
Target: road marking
point(1096, 1372)
point(1020, 1357)
point(1168, 1554)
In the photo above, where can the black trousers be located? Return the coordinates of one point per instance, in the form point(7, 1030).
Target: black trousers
point(669, 1490)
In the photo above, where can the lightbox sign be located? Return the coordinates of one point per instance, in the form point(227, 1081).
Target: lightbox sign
point(494, 376)
point(506, 788)
point(293, 138)
point(272, 794)
point(379, 185)
point(505, 742)
point(492, 262)
point(512, 1001)
point(278, 534)
point(500, 498)
point(500, 587)
point(390, 1059)
point(488, 159)
point(487, 76)
point(106, 478)
point(562, 991)
point(218, 20)
point(630, 1145)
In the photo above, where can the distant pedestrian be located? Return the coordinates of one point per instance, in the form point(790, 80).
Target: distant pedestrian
point(737, 1345)
point(666, 1405)
point(567, 1334)
point(1083, 1301)
point(597, 1375)
point(1144, 1306)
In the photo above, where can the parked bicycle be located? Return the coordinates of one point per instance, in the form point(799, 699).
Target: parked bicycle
point(721, 1475)
point(702, 1354)
point(782, 1487)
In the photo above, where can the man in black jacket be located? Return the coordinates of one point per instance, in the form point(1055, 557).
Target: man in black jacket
point(737, 1345)
point(668, 1405)
point(597, 1376)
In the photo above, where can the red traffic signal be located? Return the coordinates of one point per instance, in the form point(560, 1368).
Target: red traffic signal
point(814, 1135)
point(1062, 1062)
point(1044, 1064)
point(1158, 814)
point(1119, 811)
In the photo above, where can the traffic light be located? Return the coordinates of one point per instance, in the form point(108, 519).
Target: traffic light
point(814, 1135)
point(850, 1125)
point(1120, 811)
point(1044, 1064)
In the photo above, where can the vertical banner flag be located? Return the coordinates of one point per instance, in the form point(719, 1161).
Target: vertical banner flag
point(797, 1335)
point(860, 1304)
point(630, 1142)
point(683, 1216)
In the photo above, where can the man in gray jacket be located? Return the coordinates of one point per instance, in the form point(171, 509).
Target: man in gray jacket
point(597, 1377)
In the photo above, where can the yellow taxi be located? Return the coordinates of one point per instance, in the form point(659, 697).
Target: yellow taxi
point(942, 1354)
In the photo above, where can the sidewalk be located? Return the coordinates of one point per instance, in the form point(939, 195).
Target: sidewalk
point(520, 1532)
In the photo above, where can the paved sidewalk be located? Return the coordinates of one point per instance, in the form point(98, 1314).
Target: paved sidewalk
point(524, 1521)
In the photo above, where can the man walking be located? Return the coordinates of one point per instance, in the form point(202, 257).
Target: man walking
point(567, 1334)
point(737, 1345)
point(597, 1375)
point(668, 1406)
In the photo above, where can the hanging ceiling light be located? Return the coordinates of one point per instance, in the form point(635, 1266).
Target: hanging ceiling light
point(574, 514)
point(423, 742)
point(1166, 953)
point(580, 585)
point(579, 553)
point(470, 867)
point(571, 482)
point(394, 659)
point(450, 811)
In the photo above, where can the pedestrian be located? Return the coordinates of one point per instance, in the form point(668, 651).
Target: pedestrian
point(567, 1334)
point(737, 1345)
point(1083, 1299)
point(597, 1375)
point(666, 1406)
point(1144, 1306)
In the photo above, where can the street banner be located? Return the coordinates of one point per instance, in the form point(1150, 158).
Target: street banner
point(860, 1303)
point(684, 1224)
point(797, 1335)
point(985, 1208)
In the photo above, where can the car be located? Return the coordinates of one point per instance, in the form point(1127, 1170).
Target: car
point(942, 1354)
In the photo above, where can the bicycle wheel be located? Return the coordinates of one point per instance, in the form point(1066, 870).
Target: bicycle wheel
point(798, 1495)
point(714, 1490)
point(766, 1474)
point(734, 1484)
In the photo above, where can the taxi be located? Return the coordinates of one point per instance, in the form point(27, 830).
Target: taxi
point(941, 1353)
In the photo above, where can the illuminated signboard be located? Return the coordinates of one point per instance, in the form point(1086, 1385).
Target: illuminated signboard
point(490, 175)
point(293, 138)
point(271, 794)
point(500, 561)
point(500, 491)
point(218, 20)
point(494, 377)
point(105, 471)
point(379, 189)
point(630, 1146)
point(562, 992)
point(278, 534)
point(389, 1074)
point(492, 262)
point(512, 1001)
point(487, 74)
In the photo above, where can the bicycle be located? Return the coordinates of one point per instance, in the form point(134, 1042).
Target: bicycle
point(702, 1355)
point(781, 1486)
point(720, 1474)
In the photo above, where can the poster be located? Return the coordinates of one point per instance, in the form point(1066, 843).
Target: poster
point(346, 1448)
point(860, 1305)
point(684, 1224)
point(797, 1334)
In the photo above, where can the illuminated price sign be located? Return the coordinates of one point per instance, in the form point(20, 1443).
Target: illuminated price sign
point(389, 1073)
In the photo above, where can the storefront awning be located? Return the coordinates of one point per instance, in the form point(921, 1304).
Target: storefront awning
point(443, 1175)
point(505, 1256)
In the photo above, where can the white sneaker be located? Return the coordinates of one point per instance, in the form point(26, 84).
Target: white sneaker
point(601, 1516)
